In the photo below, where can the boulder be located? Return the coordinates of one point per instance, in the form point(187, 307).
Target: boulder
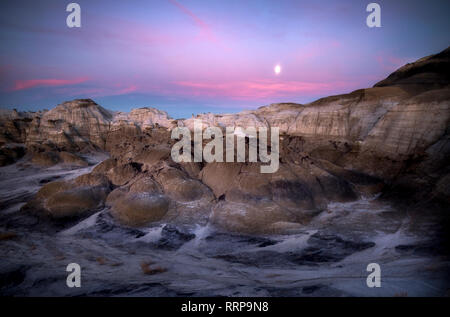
point(220, 177)
point(92, 179)
point(68, 199)
point(138, 209)
point(105, 166)
point(151, 156)
point(122, 174)
point(144, 184)
point(52, 188)
point(258, 217)
point(76, 202)
point(180, 187)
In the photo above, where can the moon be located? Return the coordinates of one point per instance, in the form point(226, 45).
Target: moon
point(277, 69)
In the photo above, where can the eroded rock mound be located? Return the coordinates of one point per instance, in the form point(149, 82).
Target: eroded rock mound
point(70, 199)
point(72, 125)
point(138, 209)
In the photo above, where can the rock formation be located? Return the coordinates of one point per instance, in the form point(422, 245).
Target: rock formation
point(392, 139)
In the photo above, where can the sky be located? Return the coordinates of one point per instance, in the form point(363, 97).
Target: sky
point(193, 56)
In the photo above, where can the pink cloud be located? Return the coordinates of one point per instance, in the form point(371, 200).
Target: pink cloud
point(31, 83)
point(127, 90)
point(259, 89)
point(114, 90)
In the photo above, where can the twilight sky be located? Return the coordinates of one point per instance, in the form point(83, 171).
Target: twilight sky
point(192, 56)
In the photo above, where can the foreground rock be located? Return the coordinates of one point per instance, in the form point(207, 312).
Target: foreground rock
point(168, 195)
point(70, 199)
point(138, 209)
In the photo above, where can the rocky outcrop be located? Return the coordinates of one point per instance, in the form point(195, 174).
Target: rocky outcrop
point(72, 126)
point(13, 132)
point(144, 118)
point(78, 126)
point(11, 152)
point(428, 73)
point(14, 125)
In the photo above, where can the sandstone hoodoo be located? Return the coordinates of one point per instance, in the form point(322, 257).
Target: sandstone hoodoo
point(391, 139)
